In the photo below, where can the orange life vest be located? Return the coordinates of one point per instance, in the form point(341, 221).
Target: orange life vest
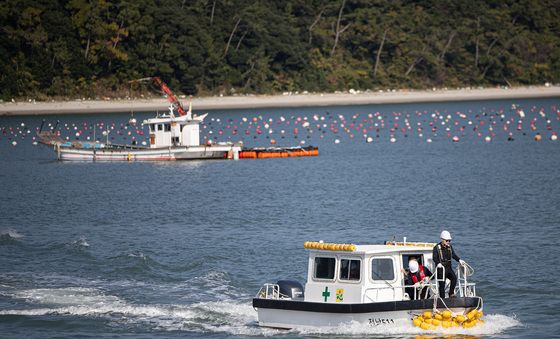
point(420, 272)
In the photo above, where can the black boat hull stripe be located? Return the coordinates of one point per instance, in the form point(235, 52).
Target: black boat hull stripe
point(388, 306)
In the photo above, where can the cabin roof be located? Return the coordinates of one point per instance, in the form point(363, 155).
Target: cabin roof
point(388, 248)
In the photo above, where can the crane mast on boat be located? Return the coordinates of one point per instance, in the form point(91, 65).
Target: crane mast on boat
point(175, 103)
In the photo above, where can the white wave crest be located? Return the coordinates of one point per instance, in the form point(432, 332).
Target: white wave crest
point(66, 296)
point(11, 233)
point(82, 242)
point(494, 324)
point(229, 317)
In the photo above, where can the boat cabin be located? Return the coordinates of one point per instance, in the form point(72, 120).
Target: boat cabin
point(171, 131)
point(362, 273)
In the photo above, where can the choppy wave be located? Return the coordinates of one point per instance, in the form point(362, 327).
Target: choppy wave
point(214, 284)
point(10, 236)
point(133, 264)
point(230, 317)
point(79, 244)
point(11, 233)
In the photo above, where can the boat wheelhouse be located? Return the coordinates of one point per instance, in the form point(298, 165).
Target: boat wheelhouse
point(361, 283)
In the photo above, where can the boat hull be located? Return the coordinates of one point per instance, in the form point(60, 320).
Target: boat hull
point(288, 314)
point(147, 154)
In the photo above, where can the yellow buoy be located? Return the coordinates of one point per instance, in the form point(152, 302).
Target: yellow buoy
point(446, 324)
point(472, 314)
point(460, 318)
point(427, 315)
point(446, 314)
point(479, 314)
point(454, 324)
point(436, 322)
point(417, 322)
point(425, 326)
point(438, 316)
point(428, 321)
point(469, 324)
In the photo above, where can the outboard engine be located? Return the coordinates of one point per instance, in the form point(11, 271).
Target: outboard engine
point(291, 289)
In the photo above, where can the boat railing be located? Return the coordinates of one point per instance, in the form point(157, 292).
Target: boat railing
point(465, 288)
point(269, 291)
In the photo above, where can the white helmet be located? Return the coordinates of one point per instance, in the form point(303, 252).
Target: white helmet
point(445, 235)
point(413, 266)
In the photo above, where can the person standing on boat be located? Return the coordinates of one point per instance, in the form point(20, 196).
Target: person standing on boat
point(417, 277)
point(443, 253)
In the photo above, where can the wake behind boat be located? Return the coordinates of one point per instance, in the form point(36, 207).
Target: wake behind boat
point(366, 284)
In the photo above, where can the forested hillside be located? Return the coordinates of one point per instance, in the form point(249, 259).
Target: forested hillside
point(91, 48)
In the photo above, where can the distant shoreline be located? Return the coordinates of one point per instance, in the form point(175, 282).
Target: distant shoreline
point(277, 101)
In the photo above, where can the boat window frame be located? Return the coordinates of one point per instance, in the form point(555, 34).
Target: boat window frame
point(160, 127)
point(335, 275)
point(167, 127)
point(349, 281)
point(395, 273)
point(408, 255)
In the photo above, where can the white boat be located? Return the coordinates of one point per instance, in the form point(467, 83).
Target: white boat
point(171, 138)
point(366, 284)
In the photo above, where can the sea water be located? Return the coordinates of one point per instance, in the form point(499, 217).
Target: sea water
point(178, 249)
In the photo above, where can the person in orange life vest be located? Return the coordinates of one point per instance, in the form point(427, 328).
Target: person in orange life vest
point(417, 276)
point(442, 255)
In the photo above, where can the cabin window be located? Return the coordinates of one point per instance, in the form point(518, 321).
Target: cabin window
point(324, 268)
point(407, 257)
point(382, 269)
point(160, 127)
point(152, 128)
point(350, 269)
point(167, 127)
point(175, 140)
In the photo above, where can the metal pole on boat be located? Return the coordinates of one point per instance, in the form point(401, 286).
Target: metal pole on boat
point(94, 143)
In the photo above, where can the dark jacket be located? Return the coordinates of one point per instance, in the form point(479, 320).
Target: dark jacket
point(442, 255)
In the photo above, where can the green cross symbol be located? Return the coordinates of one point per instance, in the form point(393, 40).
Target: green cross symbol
point(326, 294)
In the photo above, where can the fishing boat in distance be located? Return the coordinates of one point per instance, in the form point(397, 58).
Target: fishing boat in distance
point(349, 283)
point(173, 136)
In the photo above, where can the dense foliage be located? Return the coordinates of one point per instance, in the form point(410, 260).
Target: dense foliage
point(91, 48)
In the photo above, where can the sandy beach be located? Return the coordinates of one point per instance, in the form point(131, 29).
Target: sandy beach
point(288, 100)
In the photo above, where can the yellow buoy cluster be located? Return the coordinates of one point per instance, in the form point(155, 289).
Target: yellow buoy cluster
point(445, 319)
point(329, 246)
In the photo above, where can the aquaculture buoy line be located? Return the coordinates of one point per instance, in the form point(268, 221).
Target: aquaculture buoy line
point(485, 125)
